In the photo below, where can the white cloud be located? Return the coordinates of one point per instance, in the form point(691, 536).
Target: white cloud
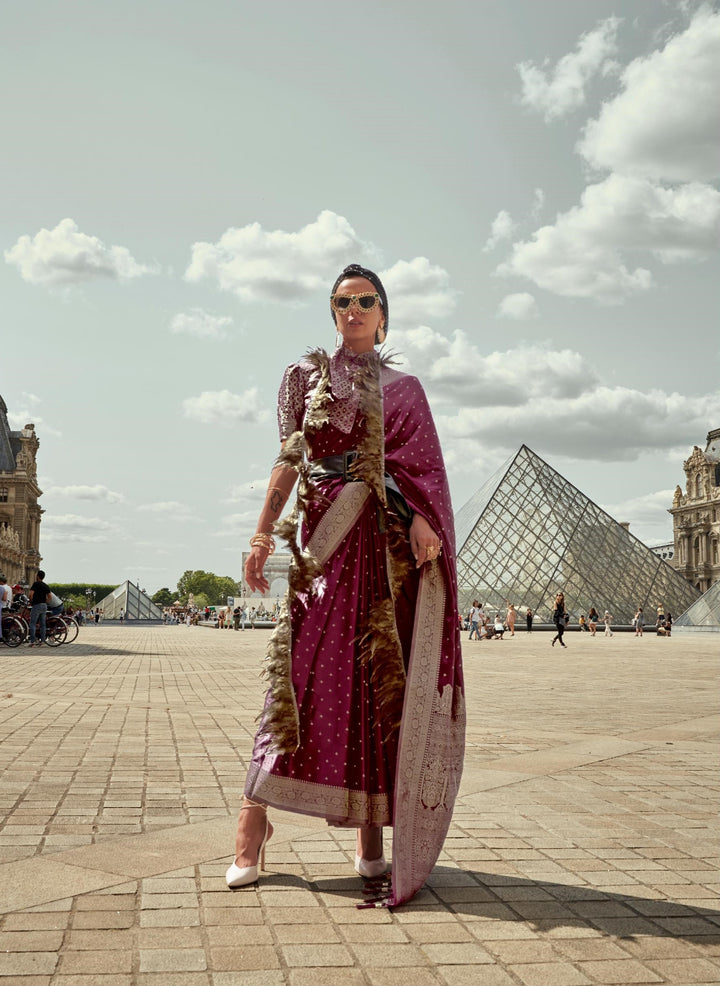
point(642, 511)
point(601, 423)
point(171, 509)
point(236, 524)
point(225, 408)
point(18, 419)
point(665, 123)
point(75, 527)
point(502, 228)
point(456, 373)
point(581, 255)
point(417, 290)
point(254, 490)
point(65, 256)
point(257, 264)
point(81, 492)
point(202, 324)
point(519, 306)
point(557, 91)
point(76, 520)
point(538, 203)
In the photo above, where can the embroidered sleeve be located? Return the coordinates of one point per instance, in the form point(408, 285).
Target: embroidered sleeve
point(291, 401)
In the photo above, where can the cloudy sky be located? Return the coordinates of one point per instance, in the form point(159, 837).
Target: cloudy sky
point(181, 182)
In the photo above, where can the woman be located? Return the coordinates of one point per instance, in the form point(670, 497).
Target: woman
point(474, 620)
point(510, 617)
point(660, 627)
point(559, 618)
point(639, 621)
point(365, 694)
point(529, 619)
point(593, 619)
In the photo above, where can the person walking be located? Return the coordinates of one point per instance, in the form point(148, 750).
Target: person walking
point(593, 618)
point(639, 622)
point(529, 620)
point(559, 619)
point(474, 619)
point(607, 620)
point(366, 653)
point(510, 617)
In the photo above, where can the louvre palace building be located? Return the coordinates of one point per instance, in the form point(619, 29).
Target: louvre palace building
point(19, 510)
point(696, 516)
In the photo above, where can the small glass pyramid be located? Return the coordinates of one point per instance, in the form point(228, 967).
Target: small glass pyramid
point(704, 612)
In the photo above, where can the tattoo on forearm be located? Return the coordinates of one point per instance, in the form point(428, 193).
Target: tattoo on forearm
point(276, 501)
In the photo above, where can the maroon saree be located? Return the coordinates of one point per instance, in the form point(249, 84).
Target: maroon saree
point(364, 717)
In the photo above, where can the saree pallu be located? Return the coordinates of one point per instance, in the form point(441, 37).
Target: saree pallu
point(349, 763)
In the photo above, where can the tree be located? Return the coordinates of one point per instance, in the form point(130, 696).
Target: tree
point(215, 587)
point(163, 597)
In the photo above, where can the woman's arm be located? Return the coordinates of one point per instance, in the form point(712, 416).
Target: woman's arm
point(282, 480)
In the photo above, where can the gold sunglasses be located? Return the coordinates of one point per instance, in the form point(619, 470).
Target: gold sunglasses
point(366, 301)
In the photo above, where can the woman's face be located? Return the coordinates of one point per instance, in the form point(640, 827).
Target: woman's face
point(357, 327)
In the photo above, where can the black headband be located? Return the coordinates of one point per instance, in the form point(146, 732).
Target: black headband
point(355, 270)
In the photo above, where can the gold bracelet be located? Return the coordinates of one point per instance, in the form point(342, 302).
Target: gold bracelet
point(266, 541)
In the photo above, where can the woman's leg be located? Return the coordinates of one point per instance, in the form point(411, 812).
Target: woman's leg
point(250, 833)
point(370, 842)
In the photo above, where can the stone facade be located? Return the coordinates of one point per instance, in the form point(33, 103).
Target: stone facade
point(19, 510)
point(696, 516)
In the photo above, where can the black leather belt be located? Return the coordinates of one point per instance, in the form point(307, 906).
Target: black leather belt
point(335, 465)
point(339, 465)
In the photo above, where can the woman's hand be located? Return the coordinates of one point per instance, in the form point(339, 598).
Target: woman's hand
point(424, 542)
point(254, 569)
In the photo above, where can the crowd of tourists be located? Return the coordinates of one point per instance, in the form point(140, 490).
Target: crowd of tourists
point(481, 624)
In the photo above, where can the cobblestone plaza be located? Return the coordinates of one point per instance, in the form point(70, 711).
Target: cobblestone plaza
point(583, 847)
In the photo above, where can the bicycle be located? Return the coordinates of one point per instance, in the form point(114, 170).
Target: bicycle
point(73, 627)
point(13, 632)
point(56, 630)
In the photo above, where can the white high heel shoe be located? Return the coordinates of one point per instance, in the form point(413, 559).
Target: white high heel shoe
point(370, 868)
point(240, 876)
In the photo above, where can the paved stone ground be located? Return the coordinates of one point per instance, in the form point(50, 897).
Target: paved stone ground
point(583, 848)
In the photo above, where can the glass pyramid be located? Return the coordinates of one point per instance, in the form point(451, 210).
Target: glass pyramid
point(704, 612)
point(131, 601)
point(528, 533)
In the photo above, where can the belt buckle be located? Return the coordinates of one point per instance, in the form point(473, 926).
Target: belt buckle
point(348, 458)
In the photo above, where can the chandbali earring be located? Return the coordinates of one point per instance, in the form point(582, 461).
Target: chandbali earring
point(338, 339)
point(380, 335)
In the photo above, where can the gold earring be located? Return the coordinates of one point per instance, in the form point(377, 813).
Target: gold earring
point(380, 335)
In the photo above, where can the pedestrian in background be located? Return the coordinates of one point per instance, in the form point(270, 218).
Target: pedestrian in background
point(559, 618)
point(39, 593)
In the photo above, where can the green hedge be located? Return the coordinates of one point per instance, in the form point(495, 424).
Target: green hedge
point(64, 589)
